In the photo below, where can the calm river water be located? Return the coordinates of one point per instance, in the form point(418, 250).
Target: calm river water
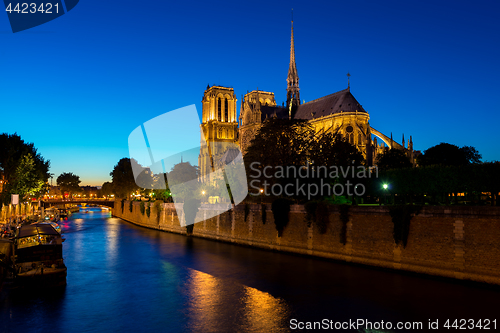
point(123, 278)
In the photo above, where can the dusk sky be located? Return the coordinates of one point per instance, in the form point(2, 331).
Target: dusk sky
point(79, 85)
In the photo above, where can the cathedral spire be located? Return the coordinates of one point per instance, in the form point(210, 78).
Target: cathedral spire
point(293, 97)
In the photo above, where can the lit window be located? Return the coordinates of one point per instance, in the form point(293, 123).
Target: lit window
point(226, 110)
point(219, 111)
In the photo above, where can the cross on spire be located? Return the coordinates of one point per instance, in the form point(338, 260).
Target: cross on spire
point(348, 81)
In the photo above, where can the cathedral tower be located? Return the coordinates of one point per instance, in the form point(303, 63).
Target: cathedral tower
point(292, 95)
point(219, 125)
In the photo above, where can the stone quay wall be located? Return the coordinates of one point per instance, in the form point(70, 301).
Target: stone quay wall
point(455, 242)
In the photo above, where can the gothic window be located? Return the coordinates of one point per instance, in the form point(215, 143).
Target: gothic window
point(219, 111)
point(360, 139)
point(226, 111)
point(350, 138)
point(220, 133)
point(227, 134)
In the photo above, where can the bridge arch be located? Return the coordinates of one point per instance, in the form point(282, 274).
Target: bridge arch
point(101, 202)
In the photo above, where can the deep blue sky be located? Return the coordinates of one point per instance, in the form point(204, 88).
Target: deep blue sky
point(77, 86)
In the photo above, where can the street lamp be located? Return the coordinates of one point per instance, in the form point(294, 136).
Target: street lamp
point(385, 187)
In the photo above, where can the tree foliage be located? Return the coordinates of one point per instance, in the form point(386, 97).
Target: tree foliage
point(333, 150)
point(439, 179)
point(292, 144)
point(183, 181)
point(123, 178)
point(23, 168)
point(25, 180)
point(393, 159)
point(448, 154)
point(107, 189)
point(68, 182)
point(281, 142)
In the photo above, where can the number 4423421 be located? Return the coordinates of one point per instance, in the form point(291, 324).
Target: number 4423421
point(464, 324)
point(32, 8)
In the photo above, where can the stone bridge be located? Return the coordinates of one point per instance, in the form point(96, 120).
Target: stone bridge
point(53, 202)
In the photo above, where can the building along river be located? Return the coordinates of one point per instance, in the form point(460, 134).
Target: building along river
point(124, 278)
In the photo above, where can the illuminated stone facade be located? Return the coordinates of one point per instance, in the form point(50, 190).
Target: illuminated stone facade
point(219, 127)
point(338, 113)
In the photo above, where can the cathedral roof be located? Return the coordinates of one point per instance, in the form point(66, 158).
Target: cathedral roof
point(341, 101)
point(268, 111)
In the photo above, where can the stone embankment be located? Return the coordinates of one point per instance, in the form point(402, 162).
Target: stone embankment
point(456, 242)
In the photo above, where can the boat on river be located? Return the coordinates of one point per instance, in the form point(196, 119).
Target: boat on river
point(37, 256)
point(52, 214)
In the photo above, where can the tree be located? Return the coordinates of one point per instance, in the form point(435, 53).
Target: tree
point(471, 154)
point(448, 154)
point(26, 181)
point(68, 182)
point(183, 181)
point(22, 167)
point(123, 178)
point(332, 150)
point(281, 142)
point(107, 189)
point(393, 159)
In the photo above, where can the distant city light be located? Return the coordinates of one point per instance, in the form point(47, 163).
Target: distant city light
point(385, 186)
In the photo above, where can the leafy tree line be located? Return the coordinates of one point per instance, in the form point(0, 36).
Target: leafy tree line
point(291, 145)
point(443, 171)
point(23, 169)
point(441, 182)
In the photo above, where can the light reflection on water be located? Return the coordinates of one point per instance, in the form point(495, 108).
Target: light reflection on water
point(128, 279)
point(252, 310)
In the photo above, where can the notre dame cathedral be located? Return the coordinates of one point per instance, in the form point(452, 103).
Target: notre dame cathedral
point(338, 113)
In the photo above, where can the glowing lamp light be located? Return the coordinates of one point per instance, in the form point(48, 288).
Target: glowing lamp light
point(203, 192)
point(261, 191)
point(385, 186)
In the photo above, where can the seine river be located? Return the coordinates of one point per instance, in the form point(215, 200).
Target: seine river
point(122, 278)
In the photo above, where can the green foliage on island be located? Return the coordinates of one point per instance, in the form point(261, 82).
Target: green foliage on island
point(148, 210)
point(401, 217)
point(191, 207)
point(264, 213)
point(317, 213)
point(393, 159)
point(437, 182)
point(344, 219)
point(158, 208)
point(449, 154)
point(283, 143)
point(281, 210)
point(247, 211)
point(183, 181)
point(310, 208)
point(142, 207)
point(130, 206)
